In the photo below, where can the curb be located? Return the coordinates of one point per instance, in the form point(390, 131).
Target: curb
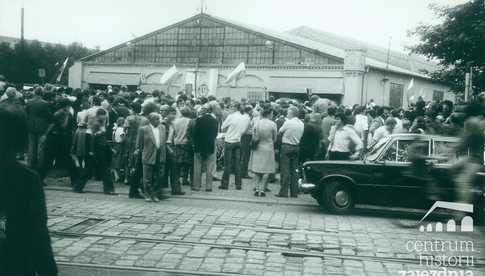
point(219, 198)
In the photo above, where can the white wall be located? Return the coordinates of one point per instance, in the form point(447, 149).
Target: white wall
point(375, 88)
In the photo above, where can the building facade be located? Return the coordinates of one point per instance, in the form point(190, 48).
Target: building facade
point(206, 49)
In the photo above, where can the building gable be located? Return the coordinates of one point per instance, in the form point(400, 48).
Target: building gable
point(203, 39)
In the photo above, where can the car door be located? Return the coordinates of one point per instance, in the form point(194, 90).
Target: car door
point(399, 186)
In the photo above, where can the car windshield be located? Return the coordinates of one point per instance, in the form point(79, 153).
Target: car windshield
point(375, 149)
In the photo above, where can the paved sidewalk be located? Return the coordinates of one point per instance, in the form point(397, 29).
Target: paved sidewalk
point(189, 236)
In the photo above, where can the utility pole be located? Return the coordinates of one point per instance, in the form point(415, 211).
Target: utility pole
point(22, 26)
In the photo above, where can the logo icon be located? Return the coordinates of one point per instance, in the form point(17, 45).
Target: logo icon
point(466, 224)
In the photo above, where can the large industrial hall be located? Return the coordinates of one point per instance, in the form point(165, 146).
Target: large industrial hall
point(203, 50)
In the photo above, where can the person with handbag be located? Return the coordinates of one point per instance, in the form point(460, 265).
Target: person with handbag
point(262, 161)
point(25, 245)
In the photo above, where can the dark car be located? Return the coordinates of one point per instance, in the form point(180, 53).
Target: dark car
point(385, 176)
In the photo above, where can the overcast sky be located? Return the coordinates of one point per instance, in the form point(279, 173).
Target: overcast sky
point(105, 23)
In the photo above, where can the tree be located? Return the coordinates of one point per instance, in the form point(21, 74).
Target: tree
point(20, 64)
point(458, 44)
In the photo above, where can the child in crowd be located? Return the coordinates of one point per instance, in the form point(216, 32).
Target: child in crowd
point(118, 149)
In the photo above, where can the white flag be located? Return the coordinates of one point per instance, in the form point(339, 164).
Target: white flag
point(169, 75)
point(411, 84)
point(238, 73)
point(63, 67)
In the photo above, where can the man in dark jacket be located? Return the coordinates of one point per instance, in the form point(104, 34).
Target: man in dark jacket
point(310, 141)
point(39, 116)
point(204, 134)
point(25, 246)
point(57, 142)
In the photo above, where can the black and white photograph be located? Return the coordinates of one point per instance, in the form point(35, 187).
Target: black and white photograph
point(242, 137)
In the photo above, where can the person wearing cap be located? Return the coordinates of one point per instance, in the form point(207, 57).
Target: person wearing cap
point(384, 131)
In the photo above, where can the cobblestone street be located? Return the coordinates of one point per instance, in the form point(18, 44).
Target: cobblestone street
point(228, 232)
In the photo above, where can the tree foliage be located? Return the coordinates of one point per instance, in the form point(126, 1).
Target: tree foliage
point(20, 64)
point(458, 43)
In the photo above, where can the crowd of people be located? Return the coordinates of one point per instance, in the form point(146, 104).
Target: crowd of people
point(152, 140)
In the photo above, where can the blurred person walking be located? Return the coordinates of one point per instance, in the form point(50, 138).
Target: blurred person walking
point(56, 142)
point(25, 245)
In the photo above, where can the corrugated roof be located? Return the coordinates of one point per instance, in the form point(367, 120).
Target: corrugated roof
point(407, 62)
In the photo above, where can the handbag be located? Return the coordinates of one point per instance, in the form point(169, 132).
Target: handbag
point(255, 139)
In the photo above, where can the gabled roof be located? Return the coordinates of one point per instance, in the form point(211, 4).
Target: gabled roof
point(318, 41)
point(282, 37)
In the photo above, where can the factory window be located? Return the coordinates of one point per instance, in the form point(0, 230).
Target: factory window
point(205, 41)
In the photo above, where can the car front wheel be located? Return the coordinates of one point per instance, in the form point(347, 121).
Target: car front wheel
point(338, 197)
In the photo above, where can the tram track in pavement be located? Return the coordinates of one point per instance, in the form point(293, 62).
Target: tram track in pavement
point(282, 251)
point(135, 270)
point(269, 229)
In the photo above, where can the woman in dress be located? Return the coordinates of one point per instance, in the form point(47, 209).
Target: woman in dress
point(262, 162)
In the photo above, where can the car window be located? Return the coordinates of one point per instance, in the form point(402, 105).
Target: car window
point(376, 148)
point(447, 151)
point(405, 146)
point(390, 154)
point(398, 151)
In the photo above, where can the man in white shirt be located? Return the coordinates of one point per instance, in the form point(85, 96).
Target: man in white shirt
point(291, 131)
point(384, 131)
point(235, 125)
